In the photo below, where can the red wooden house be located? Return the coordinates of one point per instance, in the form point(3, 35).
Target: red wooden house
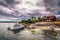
point(48, 18)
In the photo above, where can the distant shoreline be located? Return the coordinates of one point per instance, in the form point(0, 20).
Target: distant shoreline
point(8, 22)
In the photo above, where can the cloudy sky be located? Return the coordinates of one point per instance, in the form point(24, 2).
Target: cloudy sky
point(23, 9)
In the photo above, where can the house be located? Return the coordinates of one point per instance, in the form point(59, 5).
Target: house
point(48, 18)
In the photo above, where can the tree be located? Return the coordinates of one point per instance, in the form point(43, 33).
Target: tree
point(29, 21)
point(39, 19)
point(23, 21)
point(33, 19)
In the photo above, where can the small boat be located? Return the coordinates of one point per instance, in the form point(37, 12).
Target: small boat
point(16, 28)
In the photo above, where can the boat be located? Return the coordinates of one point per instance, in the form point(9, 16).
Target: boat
point(16, 28)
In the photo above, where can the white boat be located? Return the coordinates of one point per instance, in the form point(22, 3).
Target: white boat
point(16, 27)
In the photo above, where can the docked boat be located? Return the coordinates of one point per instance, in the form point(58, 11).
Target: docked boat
point(16, 27)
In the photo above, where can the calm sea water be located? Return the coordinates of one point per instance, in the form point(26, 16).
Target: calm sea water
point(23, 35)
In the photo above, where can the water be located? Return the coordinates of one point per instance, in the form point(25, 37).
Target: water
point(22, 35)
point(9, 35)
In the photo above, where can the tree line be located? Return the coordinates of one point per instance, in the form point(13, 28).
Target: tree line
point(31, 20)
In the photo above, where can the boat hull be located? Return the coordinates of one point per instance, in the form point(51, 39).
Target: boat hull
point(17, 30)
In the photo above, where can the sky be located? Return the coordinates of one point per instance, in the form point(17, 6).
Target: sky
point(24, 9)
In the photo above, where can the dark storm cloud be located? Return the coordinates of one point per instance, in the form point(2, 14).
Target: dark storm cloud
point(50, 2)
point(13, 1)
point(58, 13)
point(6, 15)
point(9, 1)
point(34, 12)
point(58, 4)
point(5, 7)
point(49, 9)
point(52, 5)
point(2, 4)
